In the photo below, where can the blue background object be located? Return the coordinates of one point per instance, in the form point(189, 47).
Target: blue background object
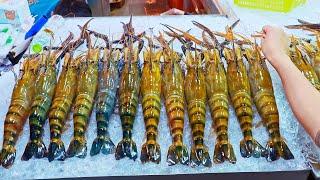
point(42, 7)
point(36, 27)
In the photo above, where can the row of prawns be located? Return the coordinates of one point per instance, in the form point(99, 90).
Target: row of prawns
point(207, 81)
point(86, 81)
point(305, 55)
point(38, 95)
point(196, 88)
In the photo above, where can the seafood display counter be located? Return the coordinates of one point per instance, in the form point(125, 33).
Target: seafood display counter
point(102, 165)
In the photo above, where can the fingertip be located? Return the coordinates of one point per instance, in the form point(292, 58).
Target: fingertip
point(266, 28)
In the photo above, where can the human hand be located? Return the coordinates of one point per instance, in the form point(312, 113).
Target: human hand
point(274, 43)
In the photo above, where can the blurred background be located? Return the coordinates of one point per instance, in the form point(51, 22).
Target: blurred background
point(157, 7)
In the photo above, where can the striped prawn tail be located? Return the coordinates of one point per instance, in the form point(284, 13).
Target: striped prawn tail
point(243, 107)
point(249, 146)
point(220, 114)
point(277, 149)
point(104, 109)
point(200, 155)
point(126, 147)
point(81, 117)
point(223, 149)
point(199, 152)
point(151, 110)
point(7, 156)
point(35, 147)
point(56, 150)
point(177, 152)
point(128, 108)
point(276, 146)
point(150, 152)
point(78, 145)
point(102, 142)
point(10, 135)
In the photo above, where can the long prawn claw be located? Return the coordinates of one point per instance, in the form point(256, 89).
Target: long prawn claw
point(56, 151)
point(224, 152)
point(252, 148)
point(84, 28)
point(185, 34)
point(7, 156)
point(278, 149)
point(35, 148)
point(126, 148)
point(77, 148)
point(102, 144)
point(200, 156)
point(178, 154)
point(150, 152)
point(207, 30)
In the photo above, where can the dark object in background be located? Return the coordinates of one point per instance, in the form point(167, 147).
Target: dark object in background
point(73, 8)
point(178, 4)
point(116, 4)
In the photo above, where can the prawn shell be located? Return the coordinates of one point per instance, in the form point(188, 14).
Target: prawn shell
point(18, 111)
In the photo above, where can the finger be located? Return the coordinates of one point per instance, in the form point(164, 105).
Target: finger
point(266, 28)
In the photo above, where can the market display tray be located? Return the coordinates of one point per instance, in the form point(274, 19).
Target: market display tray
point(102, 166)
